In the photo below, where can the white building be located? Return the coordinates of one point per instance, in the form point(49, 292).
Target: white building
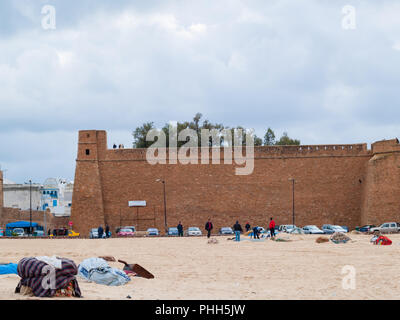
point(54, 194)
point(19, 195)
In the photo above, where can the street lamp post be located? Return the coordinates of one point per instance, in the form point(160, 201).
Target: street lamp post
point(30, 208)
point(293, 180)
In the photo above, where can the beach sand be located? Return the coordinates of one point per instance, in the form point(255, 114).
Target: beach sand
point(190, 268)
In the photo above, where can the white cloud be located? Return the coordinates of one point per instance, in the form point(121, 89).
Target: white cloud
point(284, 64)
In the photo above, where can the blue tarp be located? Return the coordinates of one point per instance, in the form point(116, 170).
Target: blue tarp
point(21, 224)
point(10, 268)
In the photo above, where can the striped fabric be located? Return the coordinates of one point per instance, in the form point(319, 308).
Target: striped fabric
point(32, 274)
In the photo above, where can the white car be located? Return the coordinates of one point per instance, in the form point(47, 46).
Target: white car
point(19, 232)
point(329, 229)
point(312, 229)
point(287, 228)
point(193, 231)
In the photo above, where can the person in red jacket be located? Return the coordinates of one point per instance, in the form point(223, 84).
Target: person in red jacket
point(272, 227)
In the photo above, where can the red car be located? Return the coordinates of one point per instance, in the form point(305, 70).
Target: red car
point(125, 233)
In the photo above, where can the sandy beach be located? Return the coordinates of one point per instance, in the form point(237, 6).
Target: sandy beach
point(190, 268)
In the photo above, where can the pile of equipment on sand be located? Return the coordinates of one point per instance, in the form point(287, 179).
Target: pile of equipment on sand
point(56, 276)
point(339, 237)
point(378, 239)
point(212, 241)
point(321, 240)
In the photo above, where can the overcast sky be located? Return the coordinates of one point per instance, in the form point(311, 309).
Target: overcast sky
point(289, 65)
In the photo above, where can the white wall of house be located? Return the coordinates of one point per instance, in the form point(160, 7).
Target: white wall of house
point(18, 196)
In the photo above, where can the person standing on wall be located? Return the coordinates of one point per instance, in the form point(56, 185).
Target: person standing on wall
point(209, 227)
point(247, 226)
point(180, 229)
point(237, 228)
point(272, 227)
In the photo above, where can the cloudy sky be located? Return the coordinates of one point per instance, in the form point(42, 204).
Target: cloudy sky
point(112, 65)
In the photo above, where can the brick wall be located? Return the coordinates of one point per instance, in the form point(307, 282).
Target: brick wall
point(334, 184)
point(9, 215)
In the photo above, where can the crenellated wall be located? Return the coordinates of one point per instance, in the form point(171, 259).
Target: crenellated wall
point(340, 184)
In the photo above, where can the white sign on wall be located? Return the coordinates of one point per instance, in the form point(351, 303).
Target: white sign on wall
point(137, 203)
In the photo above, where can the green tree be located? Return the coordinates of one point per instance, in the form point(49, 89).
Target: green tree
point(139, 135)
point(269, 138)
point(286, 141)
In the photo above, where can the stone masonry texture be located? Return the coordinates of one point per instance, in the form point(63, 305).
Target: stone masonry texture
point(337, 184)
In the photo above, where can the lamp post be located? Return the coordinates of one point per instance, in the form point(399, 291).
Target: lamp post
point(165, 206)
point(30, 208)
point(293, 180)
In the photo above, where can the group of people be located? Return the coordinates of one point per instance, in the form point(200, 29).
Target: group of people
point(121, 146)
point(237, 229)
point(100, 232)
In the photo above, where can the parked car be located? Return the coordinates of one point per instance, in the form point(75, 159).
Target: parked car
point(38, 233)
point(18, 232)
point(330, 228)
point(153, 232)
point(366, 228)
point(193, 231)
point(173, 231)
point(226, 230)
point(73, 234)
point(133, 228)
point(125, 232)
point(286, 227)
point(387, 227)
point(94, 233)
point(1, 232)
point(312, 229)
point(345, 228)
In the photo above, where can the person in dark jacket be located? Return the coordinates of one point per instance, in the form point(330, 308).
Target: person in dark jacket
point(107, 231)
point(100, 231)
point(180, 229)
point(208, 227)
point(256, 234)
point(237, 228)
point(247, 226)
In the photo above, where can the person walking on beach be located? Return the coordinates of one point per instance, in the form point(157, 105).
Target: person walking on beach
point(247, 226)
point(272, 227)
point(238, 229)
point(100, 232)
point(180, 229)
point(209, 227)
